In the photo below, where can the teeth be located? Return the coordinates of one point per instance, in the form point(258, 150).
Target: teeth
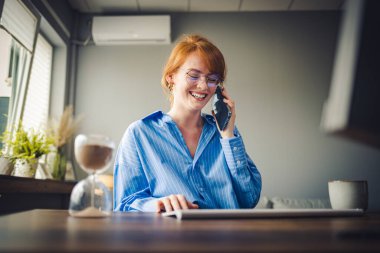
point(196, 95)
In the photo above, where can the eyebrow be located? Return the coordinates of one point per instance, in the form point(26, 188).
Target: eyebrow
point(198, 71)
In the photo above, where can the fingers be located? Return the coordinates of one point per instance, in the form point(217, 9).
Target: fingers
point(230, 103)
point(174, 202)
point(160, 206)
point(225, 93)
point(192, 205)
point(183, 202)
point(167, 205)
point(227, 99)
point(164, 204)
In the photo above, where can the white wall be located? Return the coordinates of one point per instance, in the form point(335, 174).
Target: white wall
point(279, 70)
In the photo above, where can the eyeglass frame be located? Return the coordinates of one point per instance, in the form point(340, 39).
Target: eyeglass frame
point(206, 77)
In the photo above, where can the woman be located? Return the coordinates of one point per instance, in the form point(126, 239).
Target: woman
point(181, 159)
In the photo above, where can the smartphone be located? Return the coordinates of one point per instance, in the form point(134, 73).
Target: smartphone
point(220, 110)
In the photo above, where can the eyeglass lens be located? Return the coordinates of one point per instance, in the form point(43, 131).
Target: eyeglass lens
point(194, 77)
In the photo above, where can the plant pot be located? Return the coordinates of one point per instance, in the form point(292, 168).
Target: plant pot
point(25, 168)
point(6, 166)
point(59, 165)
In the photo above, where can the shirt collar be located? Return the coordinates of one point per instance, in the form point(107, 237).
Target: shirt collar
point(167, 119)
point(208, 118)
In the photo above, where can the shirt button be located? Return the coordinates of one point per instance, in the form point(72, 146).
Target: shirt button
point(235, 148)
point(238, 162)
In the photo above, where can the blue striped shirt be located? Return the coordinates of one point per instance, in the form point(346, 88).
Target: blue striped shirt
point(153, 161)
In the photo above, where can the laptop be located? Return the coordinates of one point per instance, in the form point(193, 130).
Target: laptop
point(260, 213)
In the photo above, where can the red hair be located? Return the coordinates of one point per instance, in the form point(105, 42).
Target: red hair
point(188, 44)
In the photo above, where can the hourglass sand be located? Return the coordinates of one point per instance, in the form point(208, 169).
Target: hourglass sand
point(90, 197)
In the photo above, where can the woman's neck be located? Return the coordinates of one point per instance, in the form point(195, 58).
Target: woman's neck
point(186, 119)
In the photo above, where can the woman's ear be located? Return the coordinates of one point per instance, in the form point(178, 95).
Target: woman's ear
point(169, 78)
point(170, 82)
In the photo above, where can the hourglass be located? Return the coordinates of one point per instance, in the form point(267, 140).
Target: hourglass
point(90, 197)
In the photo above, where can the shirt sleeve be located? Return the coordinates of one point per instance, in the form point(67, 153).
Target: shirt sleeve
point(246, 178)
point(131, 189)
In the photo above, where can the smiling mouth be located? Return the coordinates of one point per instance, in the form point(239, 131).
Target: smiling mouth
point(198, 95)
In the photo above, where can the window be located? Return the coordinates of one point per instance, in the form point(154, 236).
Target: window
point(14, 75)
point(27, 76)
point(18, 27)
point(5, 85)
point(36, 109)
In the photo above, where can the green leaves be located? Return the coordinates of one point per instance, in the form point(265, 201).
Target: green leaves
point(23, 144)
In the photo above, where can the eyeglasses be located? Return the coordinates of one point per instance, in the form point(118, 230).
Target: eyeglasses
point(194, 76)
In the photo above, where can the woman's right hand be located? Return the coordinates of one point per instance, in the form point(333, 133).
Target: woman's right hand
point(174, 202)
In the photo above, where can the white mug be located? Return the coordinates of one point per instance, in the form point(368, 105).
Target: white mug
point(348, 194)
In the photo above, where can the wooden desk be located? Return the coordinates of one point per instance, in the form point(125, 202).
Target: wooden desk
point(56, 231)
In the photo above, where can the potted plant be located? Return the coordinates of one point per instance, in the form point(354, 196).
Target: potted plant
point(61, 133)
point(24, 148)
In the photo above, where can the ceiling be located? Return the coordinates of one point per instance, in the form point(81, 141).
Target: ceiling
point(167, 6)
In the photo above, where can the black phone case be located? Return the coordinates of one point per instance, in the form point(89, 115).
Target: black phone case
point(221, 110)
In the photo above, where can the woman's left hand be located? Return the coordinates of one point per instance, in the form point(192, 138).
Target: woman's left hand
point(228, 132)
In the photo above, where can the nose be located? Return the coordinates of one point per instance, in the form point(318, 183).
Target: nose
point(202, 82)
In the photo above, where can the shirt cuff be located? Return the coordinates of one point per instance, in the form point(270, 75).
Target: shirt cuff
point(234, 152)
point(145, 204)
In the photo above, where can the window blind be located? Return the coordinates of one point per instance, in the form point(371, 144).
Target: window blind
point(36, 109)
point(20, 22)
